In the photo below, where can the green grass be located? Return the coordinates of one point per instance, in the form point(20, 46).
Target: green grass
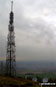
point(48, 75)
point(40, 75)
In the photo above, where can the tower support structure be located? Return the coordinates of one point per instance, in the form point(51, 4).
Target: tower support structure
point(10, 52)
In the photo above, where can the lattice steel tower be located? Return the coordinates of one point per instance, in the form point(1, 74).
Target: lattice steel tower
point(10, 57)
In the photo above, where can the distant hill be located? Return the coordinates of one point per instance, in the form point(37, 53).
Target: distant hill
point(38, 66)
point(35, 66)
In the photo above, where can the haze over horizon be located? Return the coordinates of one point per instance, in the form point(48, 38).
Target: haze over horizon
point(35, 29)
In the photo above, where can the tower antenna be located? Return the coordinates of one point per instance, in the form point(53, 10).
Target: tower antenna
point(10, 55)
point(11, 5)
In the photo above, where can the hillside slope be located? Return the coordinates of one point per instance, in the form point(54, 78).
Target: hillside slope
point(16, 82)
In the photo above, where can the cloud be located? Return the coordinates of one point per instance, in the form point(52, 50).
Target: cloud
point(34, 28)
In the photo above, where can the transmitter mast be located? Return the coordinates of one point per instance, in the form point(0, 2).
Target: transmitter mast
point(10, 53)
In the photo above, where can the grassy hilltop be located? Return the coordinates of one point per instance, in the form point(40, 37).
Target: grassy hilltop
point(16, 82)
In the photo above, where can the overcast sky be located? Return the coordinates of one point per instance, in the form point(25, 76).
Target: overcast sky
point(35, 29)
